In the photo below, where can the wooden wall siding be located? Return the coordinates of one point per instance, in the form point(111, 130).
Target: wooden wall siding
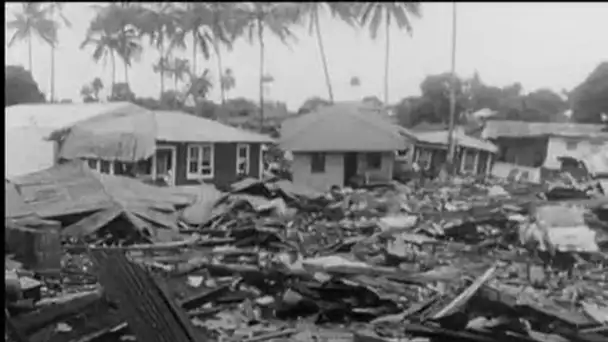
point(224, 166)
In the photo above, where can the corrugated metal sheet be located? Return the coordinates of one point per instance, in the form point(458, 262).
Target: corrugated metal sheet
point(342, 127)
point(127, 134)
point(508, 128)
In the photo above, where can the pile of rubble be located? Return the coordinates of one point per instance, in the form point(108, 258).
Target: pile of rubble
point(459, 261)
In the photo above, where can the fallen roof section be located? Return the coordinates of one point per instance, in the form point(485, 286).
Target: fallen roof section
point(73, 189)
point(342, 127)
point(461, 139)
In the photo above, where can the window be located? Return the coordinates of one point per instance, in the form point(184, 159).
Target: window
point(469, 161)
point(317, 163)
point(242, 159)
point(571, 145)
point(200, 161)
point(374, 161)
point(93, 164)
point(423, 158)
point(401, 154)
point(102, 166)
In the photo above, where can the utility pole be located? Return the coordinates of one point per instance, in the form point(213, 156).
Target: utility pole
point(451, 140)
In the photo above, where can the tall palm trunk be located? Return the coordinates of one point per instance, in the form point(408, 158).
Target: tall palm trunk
point(31, 60)
point(162, 70)
point(52, 73)
point(323, 57)
point(113, 70)
point(261, 39)
point(194, 53)
point(220, 72)
point(386, 57)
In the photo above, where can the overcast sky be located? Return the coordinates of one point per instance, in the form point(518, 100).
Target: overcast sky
point(554, 45)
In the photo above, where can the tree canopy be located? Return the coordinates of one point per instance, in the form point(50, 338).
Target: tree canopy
point(590, 98)
point(509, 103)
point(20, 87)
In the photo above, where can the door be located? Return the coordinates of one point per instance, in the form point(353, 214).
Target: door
point(164, 164)
point(350, 166)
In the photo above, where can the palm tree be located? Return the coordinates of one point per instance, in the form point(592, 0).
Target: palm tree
point(96, 87)
point(311, 11)
point(227, 81)
point(199, 86)
point(372, 15)
point(32, 20)
point(121, 22)
point(55, 8)
point(159, 24)
point(105, 45)
point(254, 19)
point(162, 66)
point(179, 69)
point(211, 25)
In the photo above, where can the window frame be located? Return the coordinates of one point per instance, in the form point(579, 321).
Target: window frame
point(323, 157)
point(418, 157)
point(247, 158)
point(199, 175)
point(368, 165)
point(98, 165)
point(463, 163)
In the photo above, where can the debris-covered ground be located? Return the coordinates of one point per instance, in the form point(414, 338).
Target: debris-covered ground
point(460, 261)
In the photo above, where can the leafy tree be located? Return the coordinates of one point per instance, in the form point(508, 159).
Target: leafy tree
point(199, 86)
point(179, 69)
point(310, 11)
point(20, 87)
point(590, 99)
point(312, 104)
point(90, 92)
point(373, 14)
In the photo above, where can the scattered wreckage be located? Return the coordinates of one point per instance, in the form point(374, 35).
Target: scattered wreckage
point(467, 260)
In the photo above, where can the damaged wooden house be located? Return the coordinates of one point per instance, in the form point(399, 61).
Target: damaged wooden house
point(125, 139)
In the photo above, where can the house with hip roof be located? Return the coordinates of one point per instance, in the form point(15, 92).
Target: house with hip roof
point(117, 138)
point(336, 143)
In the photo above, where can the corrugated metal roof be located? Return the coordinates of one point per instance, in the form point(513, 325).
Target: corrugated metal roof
point(179, 126)
point(441, 138)
point(519, 129)
point(342, 127)
point(57, 115)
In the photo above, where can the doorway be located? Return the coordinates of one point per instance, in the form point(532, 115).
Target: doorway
point(350, 166)
point(164, 163)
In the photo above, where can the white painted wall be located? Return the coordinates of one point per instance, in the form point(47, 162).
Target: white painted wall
point(333, 175)
point(558, 147)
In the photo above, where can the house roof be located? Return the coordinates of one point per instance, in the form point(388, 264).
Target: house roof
point(342, 127)
point(58, 115)
point(14, 205)
point(520, 129)
point(180, 126)
point(441, 138)
point(27, 150)
point(130, 135)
